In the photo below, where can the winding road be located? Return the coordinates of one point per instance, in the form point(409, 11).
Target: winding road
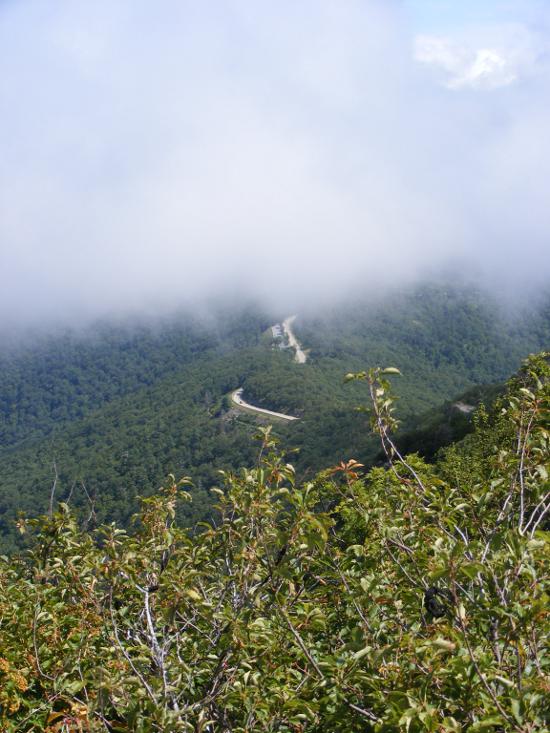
point(300, 358)
point(238, 400)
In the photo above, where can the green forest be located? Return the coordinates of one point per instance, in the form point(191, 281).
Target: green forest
point(101, 418)
point(411, 596)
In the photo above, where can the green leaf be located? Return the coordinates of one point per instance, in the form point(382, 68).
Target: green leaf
point(516, 710)
point(489, 722)
point(192, 593)
point(445, 644)
point(362, 652)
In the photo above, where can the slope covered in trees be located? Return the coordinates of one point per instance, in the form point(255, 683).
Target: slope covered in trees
point(112, 412)
point(412, 597)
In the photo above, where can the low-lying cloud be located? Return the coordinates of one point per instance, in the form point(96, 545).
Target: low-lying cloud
point(153, 155)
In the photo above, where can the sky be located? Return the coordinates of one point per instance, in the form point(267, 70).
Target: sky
point(153, 154)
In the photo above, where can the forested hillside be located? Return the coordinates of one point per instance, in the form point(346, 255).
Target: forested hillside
point(107, 414)
point(409, 598)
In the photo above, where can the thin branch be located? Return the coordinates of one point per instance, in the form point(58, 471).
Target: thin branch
point(539, 520)
point(126, 655)
point(545, 507)
point(302, 645)
point(54, 485)
point(521, 472)
point(91, 502)
point(479, 673)
point(385, 437)
point(364, 619)
point(362, 711)
point(421, 584)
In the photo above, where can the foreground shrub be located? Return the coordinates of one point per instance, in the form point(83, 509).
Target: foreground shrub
point(412, 598)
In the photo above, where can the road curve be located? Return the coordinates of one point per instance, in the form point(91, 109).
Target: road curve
point(238, 400)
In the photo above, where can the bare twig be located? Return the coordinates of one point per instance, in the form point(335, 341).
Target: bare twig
point(302, 645)
point(54, 486)
point(125, 654)
point(35, 644)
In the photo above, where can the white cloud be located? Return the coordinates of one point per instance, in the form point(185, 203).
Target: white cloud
point(488, 70)
point(483, 58)
point(482, 68)
point(273, 149)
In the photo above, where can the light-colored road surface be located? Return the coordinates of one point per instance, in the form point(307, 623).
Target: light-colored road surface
point(238, 400)
point(301, 356)
point(463, 407)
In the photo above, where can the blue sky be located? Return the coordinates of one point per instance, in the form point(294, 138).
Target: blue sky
point(443, 16)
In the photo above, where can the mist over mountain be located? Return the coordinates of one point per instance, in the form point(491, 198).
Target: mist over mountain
point(153, 157)
point(274, 366)
point(110, 410)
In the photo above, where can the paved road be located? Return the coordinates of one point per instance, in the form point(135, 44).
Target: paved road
point(301, 356)
point(238, 400)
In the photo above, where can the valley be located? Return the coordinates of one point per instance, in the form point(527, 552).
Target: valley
point(118, 409)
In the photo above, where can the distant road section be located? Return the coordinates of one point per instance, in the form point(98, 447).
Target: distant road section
point(301, 356)
point(238, 400)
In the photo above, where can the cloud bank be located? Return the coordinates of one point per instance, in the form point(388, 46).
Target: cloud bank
point(158, 155)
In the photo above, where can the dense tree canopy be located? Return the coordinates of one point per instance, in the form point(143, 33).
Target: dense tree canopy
point(112, 411)
point(412, 597)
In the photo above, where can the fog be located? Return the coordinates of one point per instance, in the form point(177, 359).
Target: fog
point(154, 155)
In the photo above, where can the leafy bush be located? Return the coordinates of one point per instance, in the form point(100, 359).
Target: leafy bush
point(412, 598)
